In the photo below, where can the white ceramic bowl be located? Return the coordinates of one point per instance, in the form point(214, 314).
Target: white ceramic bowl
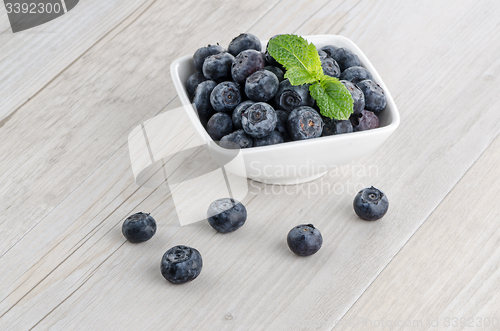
point(298, 161)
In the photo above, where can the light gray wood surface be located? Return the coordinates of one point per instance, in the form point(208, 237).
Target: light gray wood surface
point(67, 182)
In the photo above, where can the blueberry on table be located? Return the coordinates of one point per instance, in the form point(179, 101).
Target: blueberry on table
point(345, 58)
point(259, 120)
point(226, 215)
point(219, 125)
point(375, 100)
point(243, 42)
point(238, 111)
point(357, 96)
point(201, 100)
point(225, 96)
point(272, 139)
point(329, 49)
point(218, 67)
point(261, 86)
point(139, 227)
point(235, 140)
point(304, 240)
point(330, 67)
point(202, 53)
point(333, 126)
point(277, 71)
point(371, 204)
point(245, 64)
point(193, 81)
point(289, 97)
point(181, 264)
point(304, 123)
point(356, 74)
point(366, 120)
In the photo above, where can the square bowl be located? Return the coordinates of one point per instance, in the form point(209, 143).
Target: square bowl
point(297, 161)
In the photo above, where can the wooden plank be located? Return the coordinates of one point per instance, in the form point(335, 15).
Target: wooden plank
point(88, 283)
point(30, 59)
point(447, 276)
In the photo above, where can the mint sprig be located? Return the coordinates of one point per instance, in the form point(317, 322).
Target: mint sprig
point(303, 66)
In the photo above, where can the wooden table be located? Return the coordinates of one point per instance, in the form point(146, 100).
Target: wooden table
point(73, 89)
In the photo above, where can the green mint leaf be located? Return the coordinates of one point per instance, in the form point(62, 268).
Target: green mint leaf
point(333, 98)
point(300, 59)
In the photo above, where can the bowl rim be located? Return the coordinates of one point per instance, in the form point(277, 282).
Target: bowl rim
point(387, 129)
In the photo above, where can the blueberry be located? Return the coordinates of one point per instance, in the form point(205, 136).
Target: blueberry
point(356, 74)
point(193, 82)
point(304, 123)
point(201, 100)
point(322, 54)
point(139, 227)
point(269, 59)
point(277, 71)
point(218, 67)
point(329, 49)
point(226, 215)
point(225, 96)
point(333, 126)
point(261, 86)
point(181, 264)
point(202, 53)
point(330, 67)
point(237, 139)
point(245, 64)
point(272, 139)
point(282, 116)
point(304, 240)
point(259, 120)
point(345, 58)
point(366, 120)
point(238, 111)
point(219, 125)
point(370, 204)
point(290, 97)
point(375, 100)
point(243, 42)
point(357, 96)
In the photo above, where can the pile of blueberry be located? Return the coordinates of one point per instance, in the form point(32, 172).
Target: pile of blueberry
point(181, 264)
point(243, 99)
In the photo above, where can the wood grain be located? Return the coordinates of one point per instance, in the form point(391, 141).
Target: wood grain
point(447, 276)
point(74, 268)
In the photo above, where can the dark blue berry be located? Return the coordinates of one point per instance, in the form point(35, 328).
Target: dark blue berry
point(245, 64)
point(277, 71)
point(193, 82)
point(371, 204)
point(236, 140)
point(356, 74)
point(218, 67)
point(322, 54)
point(357, 96)
point(345, 58)
point(304, 240)
point(202, 53)
point(259, 120)
point(281, 124)
point(181, 264)
point(139, 227)
point(226, 215)
point(238, 111)
point(201, 100)
point(304, 123)
point(219, 125)
point(366, 120)
point(375, 100)
point(272, 139)
point(329, 49)
point(261, 86)
point(225, 96)
point(332, 126)
point(330, 67)
point(243, 42)
point(289, 97)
